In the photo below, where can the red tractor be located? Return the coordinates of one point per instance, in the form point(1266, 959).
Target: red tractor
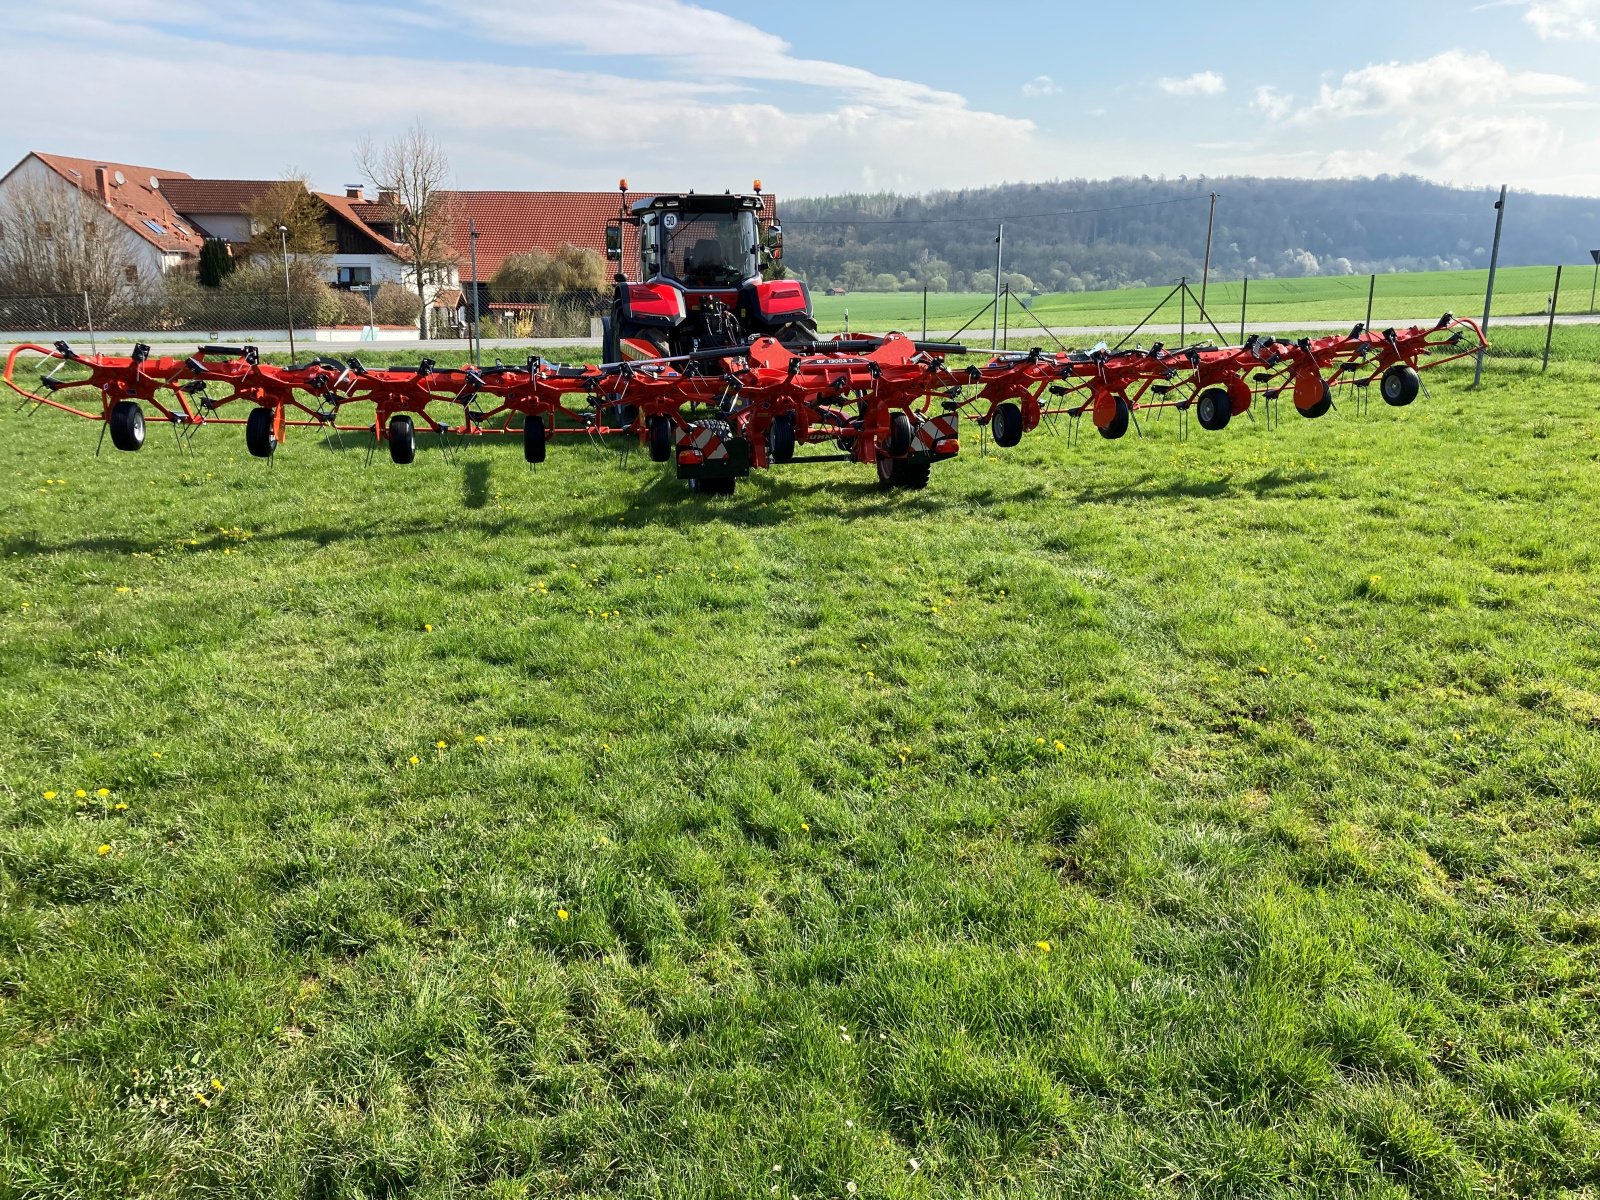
point(700, 265)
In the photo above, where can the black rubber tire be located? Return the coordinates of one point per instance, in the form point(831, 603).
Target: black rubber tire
point(610, 343)
point(625, 416)
point(402, 439)
point(1119, 423)
point(259, 438)
point(1400, 386)
point(660, 439)
point(1006, 425)
point(898, 444)
point(533, 440)
point(885, 473)
point(1321, 407)
point(713, 487)
point(797, 333)
point(1214, 409)
point(127, 425)
point(780, 438)
point(909, 473)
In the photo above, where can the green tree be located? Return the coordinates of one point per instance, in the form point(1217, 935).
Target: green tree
point(216, 264)
point(303, 218)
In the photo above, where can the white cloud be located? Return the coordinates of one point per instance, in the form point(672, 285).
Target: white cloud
point(1041, 85)
point(1564, 19)
point(1204, 83)
point(1272, 103)
point(1448, 82)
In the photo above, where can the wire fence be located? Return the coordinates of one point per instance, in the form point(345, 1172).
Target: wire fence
point(320, 314)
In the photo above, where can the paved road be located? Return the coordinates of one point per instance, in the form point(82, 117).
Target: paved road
point(512, 349)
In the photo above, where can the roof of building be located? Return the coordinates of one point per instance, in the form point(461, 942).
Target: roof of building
point(215, 195)
point(347, 208)
point(138, 201)
point(515, 222)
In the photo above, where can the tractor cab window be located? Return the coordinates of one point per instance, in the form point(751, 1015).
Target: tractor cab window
point(704, 249)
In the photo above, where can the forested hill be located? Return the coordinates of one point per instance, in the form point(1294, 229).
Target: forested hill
point(1073, 235)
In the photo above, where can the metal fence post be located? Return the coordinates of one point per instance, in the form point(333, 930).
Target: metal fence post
point(1550, 329)
point(1244, 307)
point(1372, 291)
point(1494, 262)
point(88, 319)
point(924, 312)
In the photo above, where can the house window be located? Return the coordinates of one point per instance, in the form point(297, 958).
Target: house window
point(46, 230)
point(355, 277)
point(131, 273)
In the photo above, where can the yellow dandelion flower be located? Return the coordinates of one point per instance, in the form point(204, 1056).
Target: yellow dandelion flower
point(480, 739)
point(413, 760)
point(1038, 741)
point(121, 806)
point(1044, 947)
point(103, 850)
point(440, 744)
point(49, 795)
point(102, 792)
point(1060, 745)
point(217, 1084)
point(427, 629)
point(155, 754)
point(80, 794)
point(124, 588)
point(805, 827)
point(562, 914)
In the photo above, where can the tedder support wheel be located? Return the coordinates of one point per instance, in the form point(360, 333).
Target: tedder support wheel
point(127, 425)
point(1321, 407)
point(402, 439)
point(1214, 409)
point(259, 438)
point(533, 438)
point(1007, 425)
point(1119, 423)
point(713, 487)
point(899, 443)
point(909, 473)
point(780, 438)
point(1400, 386)
point(660, 439)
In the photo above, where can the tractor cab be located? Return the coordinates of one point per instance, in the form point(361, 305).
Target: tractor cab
point(700, 263)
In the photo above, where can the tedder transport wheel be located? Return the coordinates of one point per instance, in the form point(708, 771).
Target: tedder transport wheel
point(780, 438)
point(1400, 386)
point(258, 436)
point(660, 439)
point(1214, 409)
point(533, 440)
point(127, 425)
point(1119, 423)
point(899, 443)
point(909, 473)
point(402, 439)
point(1321, 406)
point(1007, 425)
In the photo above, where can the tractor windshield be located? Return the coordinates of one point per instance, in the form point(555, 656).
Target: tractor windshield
point(703, 249)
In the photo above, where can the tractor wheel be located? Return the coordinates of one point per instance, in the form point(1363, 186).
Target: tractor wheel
point(899, 443)
point(1321, 406)
point(1007, 425)
point(127, 425)
point(713, 487)
point(259, 438)
point(402, 439)
point(533, 440)
point(797, 333)
point(610, 343)
point(1400, 386)
point(660, 439)
point(780, 438)
point(1119, 423)
point(1214, 409)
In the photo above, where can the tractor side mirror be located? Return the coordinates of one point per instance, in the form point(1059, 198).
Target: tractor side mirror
point(614, 241)
point(775, 242)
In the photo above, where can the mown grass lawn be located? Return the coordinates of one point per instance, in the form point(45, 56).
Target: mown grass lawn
point(1183, 818)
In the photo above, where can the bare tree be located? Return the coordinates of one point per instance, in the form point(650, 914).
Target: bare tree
point(289, 203)
point(413, 170)
point(57, 241)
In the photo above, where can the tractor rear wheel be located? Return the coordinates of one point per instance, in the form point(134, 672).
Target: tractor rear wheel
point(402, 439)
point(660, 438)
point(1119, 423)
point(1214, 409)
point(1007, 425)
point(780, 438)
point(533, 440)
point(127, 425)
point(1400, 386)
point(259, 437)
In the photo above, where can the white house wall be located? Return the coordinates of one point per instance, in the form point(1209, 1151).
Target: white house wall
point(33, 174)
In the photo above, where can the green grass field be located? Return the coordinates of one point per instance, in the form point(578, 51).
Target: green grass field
point(1519, 291)
point(1144, 818)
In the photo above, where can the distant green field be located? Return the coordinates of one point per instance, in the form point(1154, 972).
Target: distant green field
point(1518, 291)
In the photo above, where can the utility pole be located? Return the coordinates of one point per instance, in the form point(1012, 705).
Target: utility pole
point(288, 302)
point(472, 250)
point(1494, 263)
point(999, 250)
point(1205, 277)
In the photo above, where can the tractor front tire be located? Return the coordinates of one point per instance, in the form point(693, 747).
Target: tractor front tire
point(1214, 409)
point(402, 439)
point(127, 425)
point(1007, 425)
point(259, 437)
point(1400, 386)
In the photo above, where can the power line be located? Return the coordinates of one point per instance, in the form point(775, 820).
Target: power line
point(1066, 212)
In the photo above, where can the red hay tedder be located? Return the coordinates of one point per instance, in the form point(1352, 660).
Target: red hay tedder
point(713, 367)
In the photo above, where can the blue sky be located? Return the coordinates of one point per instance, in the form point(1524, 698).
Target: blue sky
point(817, 97)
